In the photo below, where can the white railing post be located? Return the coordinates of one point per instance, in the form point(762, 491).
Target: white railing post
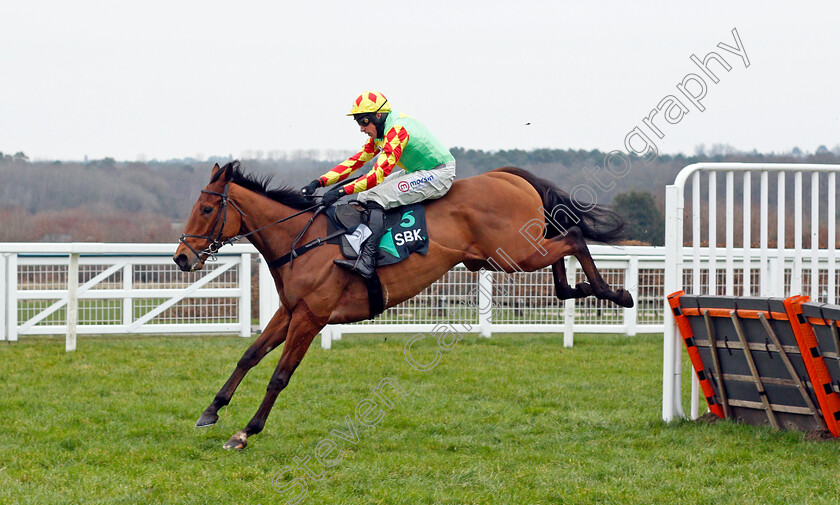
point(569, 305)
point(746, 271)
point(764, 265)
point(712, 226)
point(326, 337)
point(72, 301)
point(729, 274)
point(832, 228)
point(815, 236)
point(4, 290)
point(245, 297)
point(779, 285)
point(11, 297)
point(485, 303)
point(796, 269)
point(631, 284)
point(269, 299)
point(128, 299)
point(674, 207)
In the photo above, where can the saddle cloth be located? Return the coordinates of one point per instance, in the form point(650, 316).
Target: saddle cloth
point(405, 232)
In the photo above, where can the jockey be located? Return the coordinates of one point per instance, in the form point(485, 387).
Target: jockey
point(412, 166)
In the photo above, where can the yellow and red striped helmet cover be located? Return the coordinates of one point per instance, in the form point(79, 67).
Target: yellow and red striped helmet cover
point(370, 101)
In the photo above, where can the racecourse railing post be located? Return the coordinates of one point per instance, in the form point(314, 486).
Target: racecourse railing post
point(72, 301)
point(815, 236)
point(832, 237)
point(569, 305)
point(128, 299)
point(631, 284)
point(4, 292)
point(485, 303)
point(326, 337)
point(269, 300)
point(674, 207)
point(11, 297)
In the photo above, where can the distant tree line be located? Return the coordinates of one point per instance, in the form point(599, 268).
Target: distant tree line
point(120, 201)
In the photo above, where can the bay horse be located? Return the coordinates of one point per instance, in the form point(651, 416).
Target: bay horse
point(486, 221)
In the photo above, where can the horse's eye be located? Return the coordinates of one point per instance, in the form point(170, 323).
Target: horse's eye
point(207, 209)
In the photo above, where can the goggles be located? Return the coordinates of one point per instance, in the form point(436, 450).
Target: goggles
point(366, 119)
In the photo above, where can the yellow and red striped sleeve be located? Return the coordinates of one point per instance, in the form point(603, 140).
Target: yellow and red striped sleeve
point(395, 140)
point(347, 167)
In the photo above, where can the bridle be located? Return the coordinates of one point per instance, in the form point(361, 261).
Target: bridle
point(216, 243)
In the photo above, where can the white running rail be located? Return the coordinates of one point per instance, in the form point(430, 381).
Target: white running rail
point(136, 288)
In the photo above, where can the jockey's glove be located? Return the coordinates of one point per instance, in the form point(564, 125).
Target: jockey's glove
point(310, 188)
point(332, 196)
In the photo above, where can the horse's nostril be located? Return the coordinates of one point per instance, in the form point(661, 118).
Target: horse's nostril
point(180, 260)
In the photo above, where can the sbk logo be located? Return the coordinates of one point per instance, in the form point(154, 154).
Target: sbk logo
point(403, 186)
point(407, 236)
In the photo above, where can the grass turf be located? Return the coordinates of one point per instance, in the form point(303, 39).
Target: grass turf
point(508, 420)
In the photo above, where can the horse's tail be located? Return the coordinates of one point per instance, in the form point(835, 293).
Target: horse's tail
point(594, 221)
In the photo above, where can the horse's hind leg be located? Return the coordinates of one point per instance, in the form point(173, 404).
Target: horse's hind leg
point(561, 284)
point(572, 243)
point(599, 286)
point(273, 336)
point(302, 329)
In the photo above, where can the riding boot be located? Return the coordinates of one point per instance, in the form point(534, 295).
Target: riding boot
point(365, 264)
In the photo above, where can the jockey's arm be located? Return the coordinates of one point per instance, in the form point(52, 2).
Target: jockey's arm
point(350, 165)
point(395, 141)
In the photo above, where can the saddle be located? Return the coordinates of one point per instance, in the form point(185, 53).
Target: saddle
point(405, 232)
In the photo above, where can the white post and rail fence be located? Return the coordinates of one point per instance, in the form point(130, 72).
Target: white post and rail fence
point(78, 289)
point(771, 241)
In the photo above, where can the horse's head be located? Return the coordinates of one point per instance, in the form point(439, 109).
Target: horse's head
point(214, 219)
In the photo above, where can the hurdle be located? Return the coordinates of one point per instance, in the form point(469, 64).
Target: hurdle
point(769, 265)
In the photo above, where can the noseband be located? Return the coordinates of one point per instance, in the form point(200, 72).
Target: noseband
point(215, 243)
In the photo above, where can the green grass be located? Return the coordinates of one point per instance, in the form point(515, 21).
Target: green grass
point(514, 419)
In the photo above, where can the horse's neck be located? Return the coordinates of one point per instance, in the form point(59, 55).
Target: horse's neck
point(276, 239)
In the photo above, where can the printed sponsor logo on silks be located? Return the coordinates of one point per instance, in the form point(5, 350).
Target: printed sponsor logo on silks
point(407, 236)
point(391, 240)
point(404, 186)
point(407, 221)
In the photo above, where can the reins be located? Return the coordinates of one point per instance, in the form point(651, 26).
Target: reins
point(216, 243)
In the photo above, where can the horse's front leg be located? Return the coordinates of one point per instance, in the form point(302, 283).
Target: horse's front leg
point(302, 329)
point(272, 337)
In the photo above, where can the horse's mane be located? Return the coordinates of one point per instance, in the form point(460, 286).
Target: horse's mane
point(260, 184)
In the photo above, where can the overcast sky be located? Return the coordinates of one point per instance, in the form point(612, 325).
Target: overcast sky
point(154, 79)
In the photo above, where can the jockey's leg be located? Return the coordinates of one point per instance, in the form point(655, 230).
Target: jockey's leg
point(398, 189)
point(402, 188)
point(365, 264)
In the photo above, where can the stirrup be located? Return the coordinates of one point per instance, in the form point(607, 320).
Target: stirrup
point(348, 264)
point(352, 266)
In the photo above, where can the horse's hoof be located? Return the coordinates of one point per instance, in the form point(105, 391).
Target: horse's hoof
point(584, 288)
point(238, 441)
point(624, 298)
point(206, 420)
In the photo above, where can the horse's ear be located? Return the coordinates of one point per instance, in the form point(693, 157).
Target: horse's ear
point(213, 171)
point(229, 170)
